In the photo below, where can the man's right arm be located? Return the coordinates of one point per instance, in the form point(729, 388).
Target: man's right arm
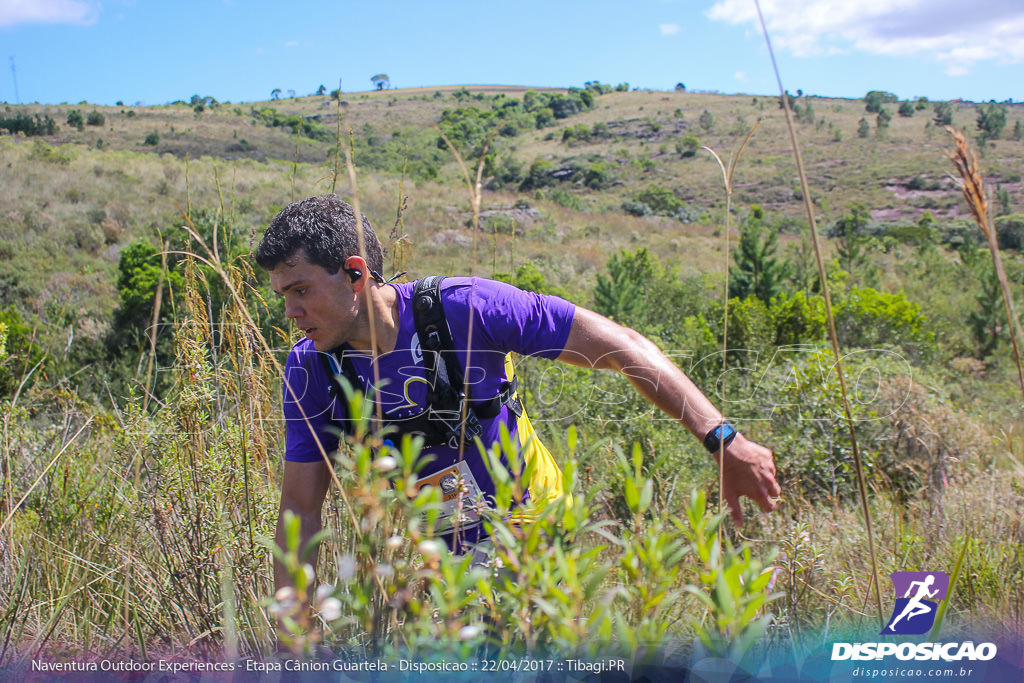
point(303, 491)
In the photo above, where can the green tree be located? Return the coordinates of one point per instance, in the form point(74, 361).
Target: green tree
point(1018, 130)
point(28, 125)
point(883, 119)
point(987, 318)
point(874, 100)
point(850, 231)
point(76, 119)
point(138, 273)
point(906, 109)
point(757, 270)
point(863, 128)
point(623, 295)
point(18, 350)
point(991, 121)
point(275, 93)
point(707, 120)
point(943, 114)
point(380, 81)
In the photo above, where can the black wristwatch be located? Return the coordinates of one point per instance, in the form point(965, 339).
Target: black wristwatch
point(720, 436)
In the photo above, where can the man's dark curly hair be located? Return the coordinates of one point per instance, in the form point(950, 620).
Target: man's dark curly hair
point(326, 228)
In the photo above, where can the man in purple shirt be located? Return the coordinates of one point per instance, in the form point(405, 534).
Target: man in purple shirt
point(328, 270)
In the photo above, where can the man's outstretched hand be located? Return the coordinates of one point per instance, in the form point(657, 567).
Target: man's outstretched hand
point(748, 469)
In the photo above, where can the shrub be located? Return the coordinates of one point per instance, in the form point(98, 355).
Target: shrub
point(95, 118)
point(867, 318)
point(539, 175)
point(883, 118)
point(635, 208)
point(688, 146)
point(661, 199)
point(751, 332)
point(579, 131)
point(598, 175)
point(566, 199)
point(76, 119)
point(62, 156)
point(797, 318)
point(1010, 231)
point(706, 120)
point(153, 139)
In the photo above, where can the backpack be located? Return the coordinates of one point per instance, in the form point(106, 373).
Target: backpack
point(451, 416)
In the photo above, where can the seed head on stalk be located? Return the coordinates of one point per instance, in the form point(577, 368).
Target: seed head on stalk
point(973, 187)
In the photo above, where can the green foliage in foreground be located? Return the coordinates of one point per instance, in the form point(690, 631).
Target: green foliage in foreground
point(545, 591)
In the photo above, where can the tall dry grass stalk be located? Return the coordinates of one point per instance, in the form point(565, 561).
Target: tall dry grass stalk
point(727, 173)
point(973, 187)
point(475, 187)
point(832, 334)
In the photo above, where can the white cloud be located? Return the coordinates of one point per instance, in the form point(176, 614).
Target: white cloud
point(14, 12)
point(291, 43)
point(955, 33)
point(668, 29)
point(740, 76)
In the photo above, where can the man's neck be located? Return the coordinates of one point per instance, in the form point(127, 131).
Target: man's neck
point(379, 314)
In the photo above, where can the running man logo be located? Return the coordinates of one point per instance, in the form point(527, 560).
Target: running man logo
point(918, 595)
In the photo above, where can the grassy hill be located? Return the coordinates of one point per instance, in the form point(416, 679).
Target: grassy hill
point(69, 210)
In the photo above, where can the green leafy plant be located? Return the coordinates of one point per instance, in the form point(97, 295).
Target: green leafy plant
point(757, 271)
point(734, 587)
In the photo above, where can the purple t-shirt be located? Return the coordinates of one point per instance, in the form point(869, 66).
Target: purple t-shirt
point(504, 319)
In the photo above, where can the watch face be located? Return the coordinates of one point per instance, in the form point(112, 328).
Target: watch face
point(722, 434)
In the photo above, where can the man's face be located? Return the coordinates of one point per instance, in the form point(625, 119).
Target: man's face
point(322, 304)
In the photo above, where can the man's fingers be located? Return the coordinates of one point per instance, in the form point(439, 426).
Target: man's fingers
point(732, 501)
point(766, 501)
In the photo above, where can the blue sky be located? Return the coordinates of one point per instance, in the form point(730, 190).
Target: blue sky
point(154, 52)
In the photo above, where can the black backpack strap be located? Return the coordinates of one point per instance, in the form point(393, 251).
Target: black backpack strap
point(434, 334)
point(441, 366)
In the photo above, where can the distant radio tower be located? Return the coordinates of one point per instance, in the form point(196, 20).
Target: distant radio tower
point(14, 75)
